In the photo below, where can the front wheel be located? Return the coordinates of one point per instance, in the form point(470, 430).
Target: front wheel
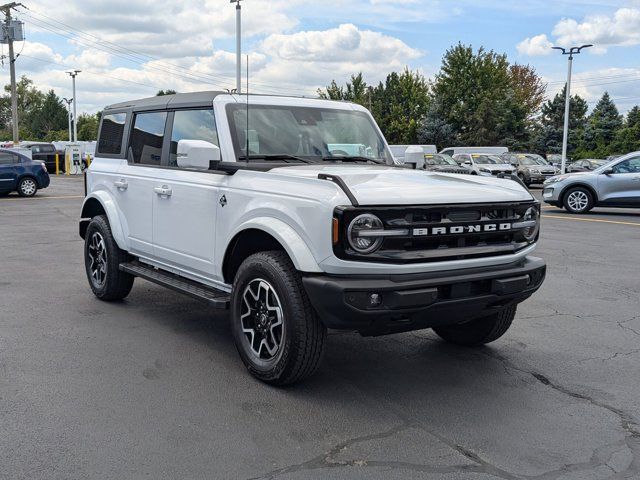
point(276, 331)
point(102, 259)
point(578, 200)
point(27, 187)
point(478, 332)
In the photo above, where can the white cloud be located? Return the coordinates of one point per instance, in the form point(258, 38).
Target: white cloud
point(621, 29)
point(535, 46)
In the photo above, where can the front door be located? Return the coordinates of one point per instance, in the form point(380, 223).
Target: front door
point(8, 172)
point(622, 186)
point(136, 179)
point(185, 201)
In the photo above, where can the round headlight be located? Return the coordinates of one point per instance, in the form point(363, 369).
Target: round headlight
point(531, 215)
point(361, 233)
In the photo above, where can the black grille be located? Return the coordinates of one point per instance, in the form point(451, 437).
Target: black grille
point(461, 232)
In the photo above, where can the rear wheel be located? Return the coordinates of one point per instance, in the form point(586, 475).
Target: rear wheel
point(578, 200)
point(478, 332)
point(102, 259)
point(27, 187)
point(276, 331)
point(522, 179)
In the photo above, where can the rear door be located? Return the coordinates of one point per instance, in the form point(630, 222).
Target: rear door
point(622, 187)
point(8, 173)
point(185, 201)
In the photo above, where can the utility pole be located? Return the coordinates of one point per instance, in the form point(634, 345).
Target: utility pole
point(9, 38)
point(567, 101)
point(238, 45)
point(69, 101)
point(74, 74)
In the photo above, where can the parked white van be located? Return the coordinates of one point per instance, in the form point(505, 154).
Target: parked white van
point(486, 150)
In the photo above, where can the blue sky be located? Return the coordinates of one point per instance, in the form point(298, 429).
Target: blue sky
point(132, 48)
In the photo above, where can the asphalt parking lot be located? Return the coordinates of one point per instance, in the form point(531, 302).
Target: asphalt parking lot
point(153, 387)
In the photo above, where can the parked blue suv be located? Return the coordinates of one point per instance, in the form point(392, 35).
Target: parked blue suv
point(19, 173)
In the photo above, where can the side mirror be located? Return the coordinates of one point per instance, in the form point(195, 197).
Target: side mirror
point(608, 171)
point(414, 156)
point(197, 154)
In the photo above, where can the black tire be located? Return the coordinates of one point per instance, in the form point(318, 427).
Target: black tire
point(114, 284)
point(578, 200)
point(479, 332)
point(301, 336)
point(27, 187)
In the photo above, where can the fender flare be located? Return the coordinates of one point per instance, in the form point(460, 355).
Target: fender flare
point(291, 241)
point(113, 215)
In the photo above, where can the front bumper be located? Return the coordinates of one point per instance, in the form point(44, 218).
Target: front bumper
point(424, 300)
point(551, 193)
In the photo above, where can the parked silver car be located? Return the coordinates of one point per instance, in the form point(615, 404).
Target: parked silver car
point(532, 168)
point(615, 184)
point(484, 164)
point(441, 162)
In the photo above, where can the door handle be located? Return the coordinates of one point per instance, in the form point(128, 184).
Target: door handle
point(163, 191)
point(121, 184)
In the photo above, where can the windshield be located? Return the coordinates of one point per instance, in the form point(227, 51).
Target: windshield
point(439, 159)
point(309, 133)
point(488, 160)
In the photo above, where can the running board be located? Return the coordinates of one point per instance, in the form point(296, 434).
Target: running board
point(209, 295)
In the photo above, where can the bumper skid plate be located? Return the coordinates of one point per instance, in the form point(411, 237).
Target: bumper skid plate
point(378, 305)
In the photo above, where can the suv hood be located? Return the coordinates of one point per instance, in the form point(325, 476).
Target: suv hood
point(380, 185)
point(504, 167)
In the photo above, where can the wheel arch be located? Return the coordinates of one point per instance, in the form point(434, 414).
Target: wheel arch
point(578, 184)
point(262, 235)
point(101, 203)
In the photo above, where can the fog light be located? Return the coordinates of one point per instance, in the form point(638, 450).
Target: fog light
point(375, 299)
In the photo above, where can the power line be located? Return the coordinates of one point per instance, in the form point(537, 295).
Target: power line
point(138, 57)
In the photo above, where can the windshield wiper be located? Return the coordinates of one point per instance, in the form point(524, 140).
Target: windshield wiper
point(274, 157)
point(355, 158)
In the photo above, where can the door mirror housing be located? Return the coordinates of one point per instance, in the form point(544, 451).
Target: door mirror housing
point(608, 171)
point(197, 154)
point(414, 156)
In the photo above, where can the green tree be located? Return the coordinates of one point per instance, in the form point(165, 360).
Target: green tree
point(548, 132)
point(398, 105)
point(165, 92)
point(50, 115)
point(30, 100)
point(604, 123)
point(88, 126)
point(633, 117)
point(485, 100)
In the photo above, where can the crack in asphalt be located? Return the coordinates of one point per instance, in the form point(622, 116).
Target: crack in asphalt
point(626, 327)
point(600, 457)
point(629, 425)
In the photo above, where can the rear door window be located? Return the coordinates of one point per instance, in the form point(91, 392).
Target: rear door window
point(8, 158)
point(111, 133)
point(147, 137)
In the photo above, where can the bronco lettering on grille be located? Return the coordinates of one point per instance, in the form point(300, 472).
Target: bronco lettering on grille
point(462, 229)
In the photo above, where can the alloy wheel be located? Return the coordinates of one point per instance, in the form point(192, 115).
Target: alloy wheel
point(261, 319)
point(28, 187)
point(578, 200)
point(98, 259)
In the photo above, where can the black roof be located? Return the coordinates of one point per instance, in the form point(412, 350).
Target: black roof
point(179, 100)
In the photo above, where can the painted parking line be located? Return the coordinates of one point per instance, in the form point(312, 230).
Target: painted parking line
point(44, 198)
point(635, 224)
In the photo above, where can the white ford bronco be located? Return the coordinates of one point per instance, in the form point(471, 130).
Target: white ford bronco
point(292, 214)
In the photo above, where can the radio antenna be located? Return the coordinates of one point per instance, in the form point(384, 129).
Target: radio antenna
point(247, 135)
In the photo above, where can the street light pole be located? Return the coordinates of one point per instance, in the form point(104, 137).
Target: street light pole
point(69, 101)
point(238, 45)
point(6, 9)
point(73, 75)
point(567, 100)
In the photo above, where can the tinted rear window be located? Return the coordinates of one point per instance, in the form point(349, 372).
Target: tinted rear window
point(111, 133)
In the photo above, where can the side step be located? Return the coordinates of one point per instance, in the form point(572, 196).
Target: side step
point(212, 296)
